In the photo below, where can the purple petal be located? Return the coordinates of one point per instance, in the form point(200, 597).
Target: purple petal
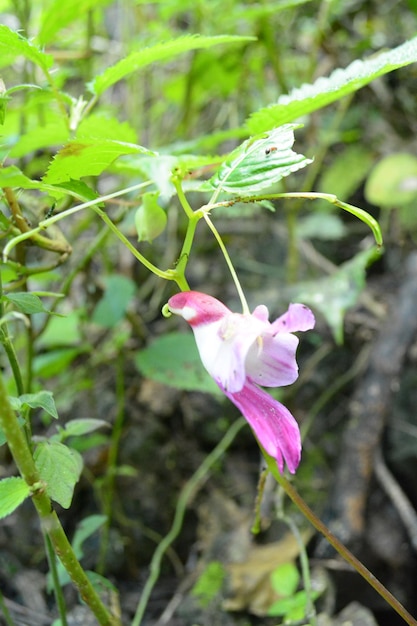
point(298, 317)
point(273, 363)
point(272, 423)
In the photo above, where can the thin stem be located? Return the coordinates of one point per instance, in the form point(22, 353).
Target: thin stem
point(337, 545)
point(50, 523)
point(186, 493)
point(232, 270)
point(59, 596)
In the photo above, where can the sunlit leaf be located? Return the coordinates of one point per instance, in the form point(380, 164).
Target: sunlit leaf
point(60, 468)
point(102, 126)
point(285, 579)
point(82, 426)
point(13, 491)
point(258, 163)
point(12, 176)
point(310, 97)
point(159, 52)
point(87, 158)
point(60, 13)
point(40, 400)
point(13, 44)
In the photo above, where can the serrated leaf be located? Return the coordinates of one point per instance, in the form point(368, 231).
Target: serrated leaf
point(13, 491)
point(325, 90)
point(159, 52)
point(150, 218)
point(101, 126)
point(13, 44)
point(27, 303)
point(258, 163)
point(41, 400)
point(173, 360)
point(60, 468)
point(60, 13)
point(87, 158)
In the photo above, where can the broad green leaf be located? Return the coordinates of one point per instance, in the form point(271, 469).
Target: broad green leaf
point(346, 171)
point(101, 126)
point(41, 400)
point(173, 359)
point(209, 583)
point(324, 91)
point(53, 133)
point(160, 52)
point(60, 468)
point(334, 295)
point(87, 158)
point(294, 607)
point(12, 176)
point(285, 579)
point(13, 44)
point(55, 362)
point(112, 307)
point(27, 303)
point(258, 163)
point(150, 217)
point(393, 181)
point(13, 491)
point(60, 13)
point(82, 426)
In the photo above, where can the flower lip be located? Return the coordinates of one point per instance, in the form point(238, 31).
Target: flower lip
point(197, 308)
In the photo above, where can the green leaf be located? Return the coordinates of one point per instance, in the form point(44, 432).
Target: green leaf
point(27, 303)
point(102, 126)
point(150, 218)
point(112, 307)
point(258, 163)
point(87, 158)
point(334, 295)
point(173, 359)
point(160, 52)
point(393, 181)
point(41, 400)
point(12, 176)
point(346, 172)
point(209, 583)
point(53, 133)
point(294, 607)
point(324, 91)
point(60, 13)
point(60, 468)
point(13, 491)
point(82, 426)
point(285, 579)
point(13, 44)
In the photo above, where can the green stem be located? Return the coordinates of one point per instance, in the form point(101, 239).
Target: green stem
point(337, 545)
point(59, 596)
point(186, 493)
point(245, 307)
point(51, 526)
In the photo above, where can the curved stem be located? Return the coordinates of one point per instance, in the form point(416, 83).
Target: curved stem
point(337, 545)
point(245, 307)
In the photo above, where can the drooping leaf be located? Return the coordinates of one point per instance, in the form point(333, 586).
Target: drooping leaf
point(82, 426)
point(40, 400)
point(159, 52)
point(393, 181)
point(258, 163)
point(60, 13)
point(87, 158)
point(13, 491)
point(60, 468)
point(150, 217)
point(13, 44)
point(325, 90)
point(112, 307)
point(173, 359)
point(334, 295)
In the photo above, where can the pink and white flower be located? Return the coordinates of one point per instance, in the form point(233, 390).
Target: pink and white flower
point(242, 351)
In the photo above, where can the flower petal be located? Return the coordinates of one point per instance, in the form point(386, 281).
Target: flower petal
point(197, 308)
point(272, 423)
point(274, 363)
point(298, 317)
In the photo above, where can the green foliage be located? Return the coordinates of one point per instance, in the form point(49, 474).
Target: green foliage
point(111, 309)
point(13, 44)
point(13, 491)
point(173, 359)
point(150, 218)
point(324, 91)
point(259, 163)
point(393, 181)
point(292, 604)
point(41, 400)
point(209, 583)
point(60, 468)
